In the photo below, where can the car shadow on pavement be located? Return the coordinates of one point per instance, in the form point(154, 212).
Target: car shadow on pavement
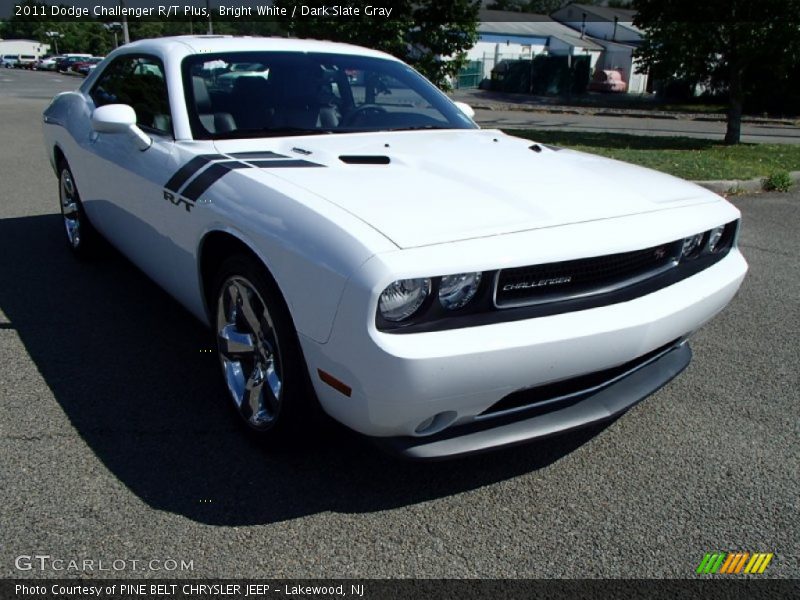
point(135, 375)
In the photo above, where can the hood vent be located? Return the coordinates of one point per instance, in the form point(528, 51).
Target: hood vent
point(365, 160)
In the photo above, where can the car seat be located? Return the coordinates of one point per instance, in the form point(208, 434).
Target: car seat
point(214, 122)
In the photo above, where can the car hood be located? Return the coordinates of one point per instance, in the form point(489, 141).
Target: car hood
point(429, 187)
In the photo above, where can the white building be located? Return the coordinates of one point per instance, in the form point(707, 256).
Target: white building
point(512, 35)
point(27, 47)
point(613, 29)
point(601, 22)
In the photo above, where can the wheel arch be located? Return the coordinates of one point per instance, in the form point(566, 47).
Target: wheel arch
point(58, 157)
point(216, 246)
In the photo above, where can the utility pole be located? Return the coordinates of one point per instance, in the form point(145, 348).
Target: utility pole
point(126, 37)
point(210, 24)
point(54, 35)
point(114, 28)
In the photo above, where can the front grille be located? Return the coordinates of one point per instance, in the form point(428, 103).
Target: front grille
point(558, 395)
point(553, 282)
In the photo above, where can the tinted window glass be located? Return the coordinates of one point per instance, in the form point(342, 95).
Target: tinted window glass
point(259, 94)
point(139, 82)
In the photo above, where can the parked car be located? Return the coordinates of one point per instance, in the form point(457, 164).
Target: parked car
point(88, 68)
point(84, 67)
point(49, 63)
point(68, 60)
point(90, 65)
point(8, 61)
point(26, 61)
point(356, 243)
point(75, 65)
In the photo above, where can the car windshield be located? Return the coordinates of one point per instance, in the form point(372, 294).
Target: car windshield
point(263, 94)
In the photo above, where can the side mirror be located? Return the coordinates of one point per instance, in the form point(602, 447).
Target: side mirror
point(120, 118)
point(466, 109)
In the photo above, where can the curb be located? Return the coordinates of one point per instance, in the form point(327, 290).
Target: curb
point(740, 186)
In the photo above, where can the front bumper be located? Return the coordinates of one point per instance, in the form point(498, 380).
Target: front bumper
point(604, 404)
point(399, 382)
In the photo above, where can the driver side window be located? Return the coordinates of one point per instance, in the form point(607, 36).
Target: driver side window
point(139, 82)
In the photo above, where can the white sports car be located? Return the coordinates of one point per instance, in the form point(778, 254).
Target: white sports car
point(358, 243)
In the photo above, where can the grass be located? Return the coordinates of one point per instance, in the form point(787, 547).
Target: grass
point(647, 104)
point(717, 109)
point(632, 102)
point(684, 157)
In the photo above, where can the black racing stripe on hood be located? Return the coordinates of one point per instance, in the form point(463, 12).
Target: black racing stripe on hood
point(183, 174)
point(263, 154)
point(207, 178)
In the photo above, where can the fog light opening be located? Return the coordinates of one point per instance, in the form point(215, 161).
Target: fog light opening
point(436, 423)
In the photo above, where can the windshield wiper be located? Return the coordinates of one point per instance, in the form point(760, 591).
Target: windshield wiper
point(418, 127)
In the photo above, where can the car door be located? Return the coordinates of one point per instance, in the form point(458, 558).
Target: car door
point(129, 205)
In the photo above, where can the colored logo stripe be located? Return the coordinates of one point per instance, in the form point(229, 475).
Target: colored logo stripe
point(758, 563)
point(728, 562)
point(737, 563)
point(731, 563)
point(711, 562)
point(701, 568)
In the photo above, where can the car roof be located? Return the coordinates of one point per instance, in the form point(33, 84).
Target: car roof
point(184, 45)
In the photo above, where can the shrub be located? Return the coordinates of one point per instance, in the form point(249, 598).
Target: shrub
point(779, 181)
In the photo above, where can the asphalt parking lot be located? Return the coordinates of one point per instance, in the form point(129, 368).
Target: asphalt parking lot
point(117, 443)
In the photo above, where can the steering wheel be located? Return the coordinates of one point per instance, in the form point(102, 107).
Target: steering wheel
point(362, 112)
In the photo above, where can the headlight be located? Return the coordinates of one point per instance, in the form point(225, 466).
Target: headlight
point(402, 298)
point(456, 291)
point(714, 237)
point(691, 244)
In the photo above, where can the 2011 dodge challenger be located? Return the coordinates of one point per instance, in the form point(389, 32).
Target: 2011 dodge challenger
point(358, 243)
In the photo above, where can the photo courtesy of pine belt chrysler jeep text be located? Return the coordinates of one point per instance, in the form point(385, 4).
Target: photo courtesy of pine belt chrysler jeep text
point(359, 245)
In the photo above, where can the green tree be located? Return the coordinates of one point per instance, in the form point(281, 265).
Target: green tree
point(718, 42)
point(546, 7)
point(431, 35)
point(74, 36)
point(541, 7)
point(92, 35)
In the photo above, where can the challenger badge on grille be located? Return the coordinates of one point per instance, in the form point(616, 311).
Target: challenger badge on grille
point(553, 282)
point(523, 285)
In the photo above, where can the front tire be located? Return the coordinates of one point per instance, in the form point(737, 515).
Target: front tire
point(81, 236)
point(262, 364)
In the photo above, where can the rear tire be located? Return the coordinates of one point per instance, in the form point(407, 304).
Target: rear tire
point(262, 364)
point(81, 237)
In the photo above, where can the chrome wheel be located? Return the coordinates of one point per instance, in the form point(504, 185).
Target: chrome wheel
point(69, 208)
point(249, 352)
